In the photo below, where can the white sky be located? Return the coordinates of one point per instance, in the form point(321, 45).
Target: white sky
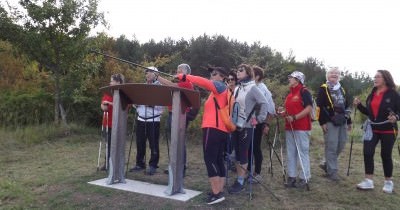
point(355, 35)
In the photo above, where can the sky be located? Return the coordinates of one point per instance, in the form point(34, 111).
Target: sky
point(355, 35)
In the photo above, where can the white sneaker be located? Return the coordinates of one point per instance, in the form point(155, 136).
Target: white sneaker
point(388, 186)
point(366, 184)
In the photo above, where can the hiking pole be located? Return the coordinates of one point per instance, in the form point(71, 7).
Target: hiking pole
point(259, 182)
point(273, 151)
point(298, 154)
point(270, 153)
point(228, 159)
point(128, 62)
point(351, 142)
point(167, 133)
point(251, 162)
point(107, 140)
point(281, 150)
point(130, 146)
point(102, 134)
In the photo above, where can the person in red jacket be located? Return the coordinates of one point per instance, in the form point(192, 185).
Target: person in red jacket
point(298, 105)
point(383, 111)
point(107, 107)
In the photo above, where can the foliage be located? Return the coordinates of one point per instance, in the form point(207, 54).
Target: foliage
point(20, 109)
point(83, 75)
point(53, 34)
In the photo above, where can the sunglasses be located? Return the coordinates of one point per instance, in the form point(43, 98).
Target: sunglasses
point(214, 73)
point(240, 70)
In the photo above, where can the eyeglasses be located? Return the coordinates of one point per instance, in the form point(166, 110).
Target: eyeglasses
point(231, 79)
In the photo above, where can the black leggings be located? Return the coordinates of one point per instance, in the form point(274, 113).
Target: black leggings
point(241, 142)
point(387, 142)
point(213, 149)
point(257, 152)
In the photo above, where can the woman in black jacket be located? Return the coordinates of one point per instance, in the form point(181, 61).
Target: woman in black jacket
point(383, 110)
point(334, 119)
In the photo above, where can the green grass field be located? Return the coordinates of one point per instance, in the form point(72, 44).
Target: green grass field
point(48, 168)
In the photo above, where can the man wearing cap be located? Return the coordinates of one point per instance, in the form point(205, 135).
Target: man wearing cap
point(148, 127)
point(181, 69)
point(298, 105)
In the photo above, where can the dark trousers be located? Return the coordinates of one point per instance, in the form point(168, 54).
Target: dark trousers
point(387, 143)
point(214, 142)
point(258, 156)
point(151, 131)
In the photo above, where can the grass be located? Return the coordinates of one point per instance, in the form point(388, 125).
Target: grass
point(52, 171)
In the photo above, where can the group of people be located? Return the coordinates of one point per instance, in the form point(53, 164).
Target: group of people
point(255, 108)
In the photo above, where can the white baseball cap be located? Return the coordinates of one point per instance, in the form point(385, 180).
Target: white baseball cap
point(298, 75)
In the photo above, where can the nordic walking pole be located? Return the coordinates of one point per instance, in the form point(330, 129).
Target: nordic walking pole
point(281, 150)
point(107, 146)
point(251, 162)
point(128, 62)
point(130, 146)
point(102, 133)
point(228, 158)
point(270, 153)
point(259, 182)
point(298, 153)
point(351, 143)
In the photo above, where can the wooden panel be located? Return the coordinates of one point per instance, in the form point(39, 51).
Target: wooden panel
point(151, 95)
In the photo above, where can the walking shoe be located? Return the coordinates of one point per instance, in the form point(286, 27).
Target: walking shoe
point(215, 198)
point(136, 169)
point(333, 177)
point(388, 186)
point(323, 167)
point(302, 183)
point(290, 182)
point(366, 184)
point(236, 188)
point(255, 179)
point(151, 170)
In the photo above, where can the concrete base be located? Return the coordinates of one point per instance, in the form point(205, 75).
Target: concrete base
point(147, 188)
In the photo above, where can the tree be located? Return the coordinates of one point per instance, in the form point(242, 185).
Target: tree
point(53, 32)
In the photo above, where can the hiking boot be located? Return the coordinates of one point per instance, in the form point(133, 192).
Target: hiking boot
point(366, 184)
point(333, 177)
point(236, 188)
point(290, 182)
point(255, 179)
point(136, 169)
point(151, 171)
point(388, 186)
point(323, 167)
point(215, 198)
point(302, 183)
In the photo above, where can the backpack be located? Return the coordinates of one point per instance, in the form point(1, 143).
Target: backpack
point(314, 114)
point(229, 114)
